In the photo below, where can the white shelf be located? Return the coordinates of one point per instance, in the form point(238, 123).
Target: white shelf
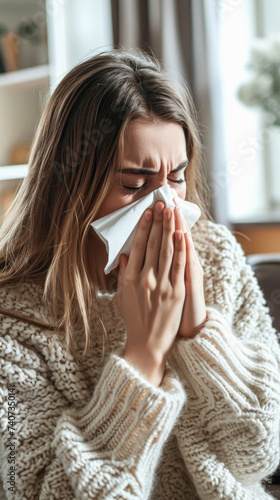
point(16, 3)
point(13, 172)
point(266, 218)
point(25, 77)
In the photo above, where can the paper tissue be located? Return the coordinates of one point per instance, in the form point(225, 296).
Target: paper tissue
point(117, 229)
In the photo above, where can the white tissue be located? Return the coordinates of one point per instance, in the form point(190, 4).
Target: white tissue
point(117, 229)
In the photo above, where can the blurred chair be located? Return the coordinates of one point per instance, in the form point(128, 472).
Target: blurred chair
point(267, 271)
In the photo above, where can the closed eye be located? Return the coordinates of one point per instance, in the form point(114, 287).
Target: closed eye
point(179, 181)
point(132, 189)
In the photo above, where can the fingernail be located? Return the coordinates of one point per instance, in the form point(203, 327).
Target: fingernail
point(148, 214)
point(159, 208)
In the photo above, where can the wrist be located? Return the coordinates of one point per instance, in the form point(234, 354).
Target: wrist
point(190, 334)
point(198, 328)
point(147, 364)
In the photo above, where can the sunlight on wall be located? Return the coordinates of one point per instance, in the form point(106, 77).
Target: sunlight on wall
point(243, 126)
point(269, 23)
point(77, 30)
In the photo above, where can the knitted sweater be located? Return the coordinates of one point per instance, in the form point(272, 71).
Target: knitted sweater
point(98, 429)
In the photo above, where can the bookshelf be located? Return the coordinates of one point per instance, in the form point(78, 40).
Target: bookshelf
point(24, 87)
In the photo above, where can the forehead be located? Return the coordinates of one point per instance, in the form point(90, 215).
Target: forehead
point(149, 140)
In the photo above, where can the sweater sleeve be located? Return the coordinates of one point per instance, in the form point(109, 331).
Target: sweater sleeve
point(107, 449)
point(229, 433)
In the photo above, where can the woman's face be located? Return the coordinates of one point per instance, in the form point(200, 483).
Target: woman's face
point(154, 155)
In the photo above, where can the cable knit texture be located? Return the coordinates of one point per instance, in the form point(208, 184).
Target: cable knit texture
point(97, 429)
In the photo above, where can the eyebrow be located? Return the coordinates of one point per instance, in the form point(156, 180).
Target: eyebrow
point(144, 171)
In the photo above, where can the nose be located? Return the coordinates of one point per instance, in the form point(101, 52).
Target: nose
point(160, 182)
point(156, 185)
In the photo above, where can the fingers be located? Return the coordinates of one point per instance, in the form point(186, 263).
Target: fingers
point(194, 271)
point(155, 239)
point(155, 248)
point(180, 222)
point(191, 253)
point(139, 244)
point(179, 261)
point(167, 245)
point(122, 265)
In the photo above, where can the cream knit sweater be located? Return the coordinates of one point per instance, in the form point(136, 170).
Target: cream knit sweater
point(100, 430)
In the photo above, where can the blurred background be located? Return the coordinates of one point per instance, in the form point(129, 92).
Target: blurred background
point(228, 51)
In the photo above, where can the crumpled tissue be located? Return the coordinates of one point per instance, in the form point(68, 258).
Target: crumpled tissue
point(117, 229)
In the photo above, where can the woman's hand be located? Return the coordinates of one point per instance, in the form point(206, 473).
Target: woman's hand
point(151, 291)
point(194, 311)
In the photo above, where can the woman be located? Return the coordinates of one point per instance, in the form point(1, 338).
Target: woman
point(161, 379)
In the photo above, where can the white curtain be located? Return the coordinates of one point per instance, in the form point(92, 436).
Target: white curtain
point(183, 34)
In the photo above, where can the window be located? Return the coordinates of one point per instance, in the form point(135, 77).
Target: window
point(253, 148)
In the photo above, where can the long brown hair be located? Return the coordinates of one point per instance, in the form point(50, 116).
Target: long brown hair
point(73, 161)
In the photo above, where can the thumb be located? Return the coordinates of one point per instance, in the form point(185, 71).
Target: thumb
point(123, 260)
point(122, 266)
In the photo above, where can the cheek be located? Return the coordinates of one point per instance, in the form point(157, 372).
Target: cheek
point(105, 209)
point(182, 191)
point(114, 200)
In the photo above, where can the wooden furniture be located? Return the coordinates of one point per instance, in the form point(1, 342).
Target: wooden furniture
point(266, 268)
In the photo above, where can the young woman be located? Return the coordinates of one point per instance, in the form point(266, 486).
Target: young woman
point(160, 380)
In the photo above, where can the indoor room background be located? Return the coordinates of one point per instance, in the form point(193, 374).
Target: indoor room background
point(228, 52)
point(221, 48)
